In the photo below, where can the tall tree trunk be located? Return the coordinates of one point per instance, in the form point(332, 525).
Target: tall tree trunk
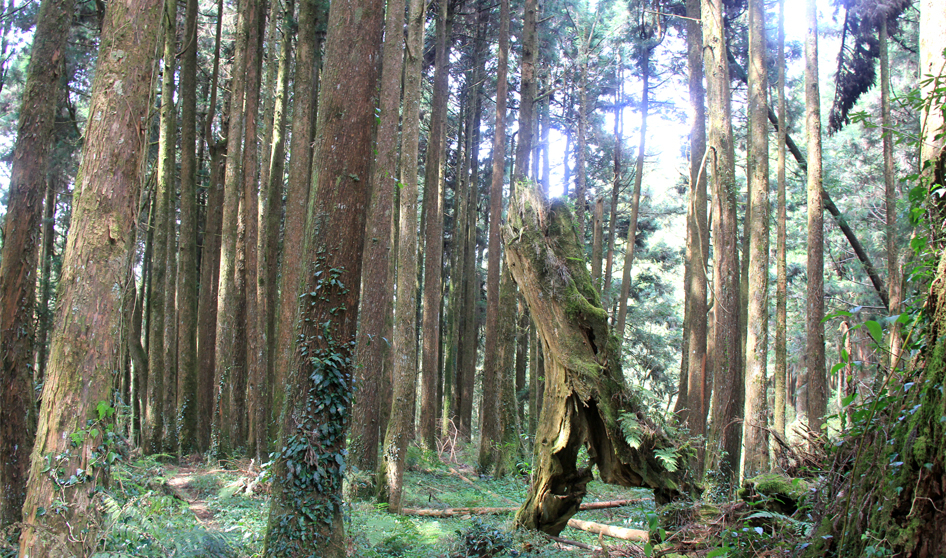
point(522, 359)
point(527, 91)
point(635, 200)
point(725, 435)
point(757, 345)
point(894, 279)
point(44, 312)
point(585, 400)
point(82, 357)
point(257, 415)
point(313, 14)
point(581, 176)
point(210, 262)
point(21, 249)
point(815, 361)
point(271, 211)
point(618, 177)
point(187, 245)
point(401, 423)
point(507, 449)
point(170, 441)
point(533, 380)
point(780, 380)
point(140, 382)
point(433, 241)
point(158, 371)
point(597, 243)
point(546, 181)
point(697, 248)
point(490, 426)
point(307, 510)
point(471, 281)
point(454, 318)
point(227, 295)
point(373, 355)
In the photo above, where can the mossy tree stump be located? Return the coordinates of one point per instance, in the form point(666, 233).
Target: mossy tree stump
point(585, 396)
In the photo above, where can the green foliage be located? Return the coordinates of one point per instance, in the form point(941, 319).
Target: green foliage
point(485, 540)
point(311, 465)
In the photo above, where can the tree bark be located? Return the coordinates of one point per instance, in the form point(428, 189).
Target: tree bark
point(617, 179)
point(585, 400)
point(373, 354)
point(227, 295)
point(210, 262)
point(622, 533)
point(187, 245)
point(471, 281)
point(597, 243)
point(490, 426)
point(780, 374)
point(757, 338)
point(271, 212)
point(401, 423)
point(635, 200)
point(894, 276)
point(313, 15)
point(155, 413)
point(433, 240)
point(257, 386)
point(697, 248)
point(307, 510)
point(82, 358)
point(725, 435)
point(21, 247)
point(815, 359)
point(581, 177)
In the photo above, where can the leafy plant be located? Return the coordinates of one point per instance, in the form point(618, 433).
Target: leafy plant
point(484, 540)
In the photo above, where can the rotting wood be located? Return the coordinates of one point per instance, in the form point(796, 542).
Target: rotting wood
point(585, 400)
point(622, 533)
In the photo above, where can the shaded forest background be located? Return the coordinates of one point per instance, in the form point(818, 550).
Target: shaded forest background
point(301, 234)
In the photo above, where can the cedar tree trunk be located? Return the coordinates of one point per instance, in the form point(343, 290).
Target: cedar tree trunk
point(83, 356)
point(21, 248)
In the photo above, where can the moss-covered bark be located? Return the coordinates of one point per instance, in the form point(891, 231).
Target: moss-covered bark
point(890, 494)
point(584, 396)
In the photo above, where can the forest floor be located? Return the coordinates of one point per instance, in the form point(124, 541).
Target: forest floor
point(159, 506)
point(164, 507)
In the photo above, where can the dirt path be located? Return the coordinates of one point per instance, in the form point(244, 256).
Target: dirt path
point(182, 484)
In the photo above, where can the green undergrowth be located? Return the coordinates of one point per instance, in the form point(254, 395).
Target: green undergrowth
point(152, 510)
point(154, 507)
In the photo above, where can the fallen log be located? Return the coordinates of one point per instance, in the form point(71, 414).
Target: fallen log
point(611, 504)
point(622, 533)
point(451, 512)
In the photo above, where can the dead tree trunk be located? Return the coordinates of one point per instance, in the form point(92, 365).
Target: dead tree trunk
point(585, 400)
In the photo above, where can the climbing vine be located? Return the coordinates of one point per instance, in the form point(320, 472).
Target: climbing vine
point(312, 461)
